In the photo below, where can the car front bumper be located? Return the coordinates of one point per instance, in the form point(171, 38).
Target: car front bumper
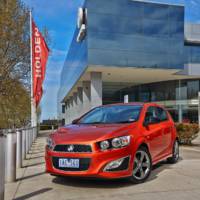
point(97, 162)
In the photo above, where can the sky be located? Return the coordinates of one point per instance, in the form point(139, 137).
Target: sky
point(59, 17)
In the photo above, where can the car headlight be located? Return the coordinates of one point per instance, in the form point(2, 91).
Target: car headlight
point(50, 143)
point(115, 143)
point(104, 145)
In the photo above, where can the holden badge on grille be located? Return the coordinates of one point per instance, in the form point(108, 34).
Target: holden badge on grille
point(70, 148)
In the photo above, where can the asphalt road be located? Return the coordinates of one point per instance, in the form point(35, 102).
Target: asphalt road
point(178, 182)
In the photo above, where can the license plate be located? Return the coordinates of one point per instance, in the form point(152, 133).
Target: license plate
point(68, 163)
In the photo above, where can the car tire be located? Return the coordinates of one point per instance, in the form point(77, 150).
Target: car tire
point(175, 154)
point(142, 166)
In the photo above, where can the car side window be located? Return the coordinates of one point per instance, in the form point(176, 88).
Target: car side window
point(162, 114)
point(151, 115)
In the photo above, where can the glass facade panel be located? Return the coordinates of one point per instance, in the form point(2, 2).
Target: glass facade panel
point(192, 54)
point(164, 91)
point(74, 66)
point(193, 88)
point(176, 13)
point(148, 38)
point(155, 28)
point(117, 7)
point(156, 11)
point(176, 29)
point(113, 24)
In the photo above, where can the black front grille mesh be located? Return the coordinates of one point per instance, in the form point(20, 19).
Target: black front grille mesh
point(76, 148)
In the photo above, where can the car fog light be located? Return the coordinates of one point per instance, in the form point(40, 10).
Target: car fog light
point(104, 145)
point(114, 164)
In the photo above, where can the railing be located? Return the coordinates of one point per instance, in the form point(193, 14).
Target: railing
point(14, 147)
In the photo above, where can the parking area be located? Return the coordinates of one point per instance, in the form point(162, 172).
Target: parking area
point(179, 181)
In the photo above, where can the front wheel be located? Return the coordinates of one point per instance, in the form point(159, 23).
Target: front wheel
point(142, 166)
point(175, 153)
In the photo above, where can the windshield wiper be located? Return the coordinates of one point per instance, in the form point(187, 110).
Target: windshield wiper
point(94, 123)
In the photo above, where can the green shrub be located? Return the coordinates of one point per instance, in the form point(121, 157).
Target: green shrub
point(187, 132)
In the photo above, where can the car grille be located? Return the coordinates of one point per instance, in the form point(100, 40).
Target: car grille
point(76, 148)
point(84, 164)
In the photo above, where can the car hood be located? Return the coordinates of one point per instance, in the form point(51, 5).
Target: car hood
point(88, 133)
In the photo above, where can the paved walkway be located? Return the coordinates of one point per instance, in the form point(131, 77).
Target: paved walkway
point(197, 141)
point(180, 181)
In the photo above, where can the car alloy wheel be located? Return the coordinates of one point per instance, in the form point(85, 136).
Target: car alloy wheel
point(142, 166)
point(176, 150)
point(175, 155)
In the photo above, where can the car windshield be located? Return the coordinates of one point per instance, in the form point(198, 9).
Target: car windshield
point(112, 115)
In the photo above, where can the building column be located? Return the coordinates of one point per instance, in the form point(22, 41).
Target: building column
point(67, 112)
point(86, 97)
point(75, 105)
point(199, 108)
point(126, 98)
point(96, 89)
point(180, 113)
point(80, 101)
point(71, 110)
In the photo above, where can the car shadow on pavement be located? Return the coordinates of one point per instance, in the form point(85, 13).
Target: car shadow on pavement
point(160, 167)
point(104, 183)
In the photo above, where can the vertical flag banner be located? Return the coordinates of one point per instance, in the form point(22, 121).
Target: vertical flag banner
point(40, 53)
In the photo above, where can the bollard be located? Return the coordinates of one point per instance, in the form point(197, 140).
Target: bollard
point(33, 135)
point(24, 144)
point(19, 148)
point(2, 165)
point(30, 138)
point(27, 141)
point(36, 132)
point(11, 140)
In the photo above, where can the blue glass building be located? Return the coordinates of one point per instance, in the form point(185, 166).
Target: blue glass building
point(136, 50)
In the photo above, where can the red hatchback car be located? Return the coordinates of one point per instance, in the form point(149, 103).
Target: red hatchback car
point(114, 141)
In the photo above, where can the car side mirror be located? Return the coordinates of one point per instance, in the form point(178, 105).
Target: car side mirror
point(75, 121)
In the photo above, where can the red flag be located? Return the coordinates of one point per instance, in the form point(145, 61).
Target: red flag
point(40, 53)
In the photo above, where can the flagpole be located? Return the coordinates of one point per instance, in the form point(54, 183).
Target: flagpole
point(33, 106)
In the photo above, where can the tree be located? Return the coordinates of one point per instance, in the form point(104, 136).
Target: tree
point(14, 63)
point(14, 42)
point(15, 108)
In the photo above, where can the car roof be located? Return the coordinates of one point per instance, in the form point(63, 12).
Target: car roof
point(133, 103)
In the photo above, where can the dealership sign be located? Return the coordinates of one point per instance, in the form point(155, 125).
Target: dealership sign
point(40, 53)
point(81, 23)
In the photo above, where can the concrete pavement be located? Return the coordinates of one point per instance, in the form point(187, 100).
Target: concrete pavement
point(179, 181)
point(196, 141)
